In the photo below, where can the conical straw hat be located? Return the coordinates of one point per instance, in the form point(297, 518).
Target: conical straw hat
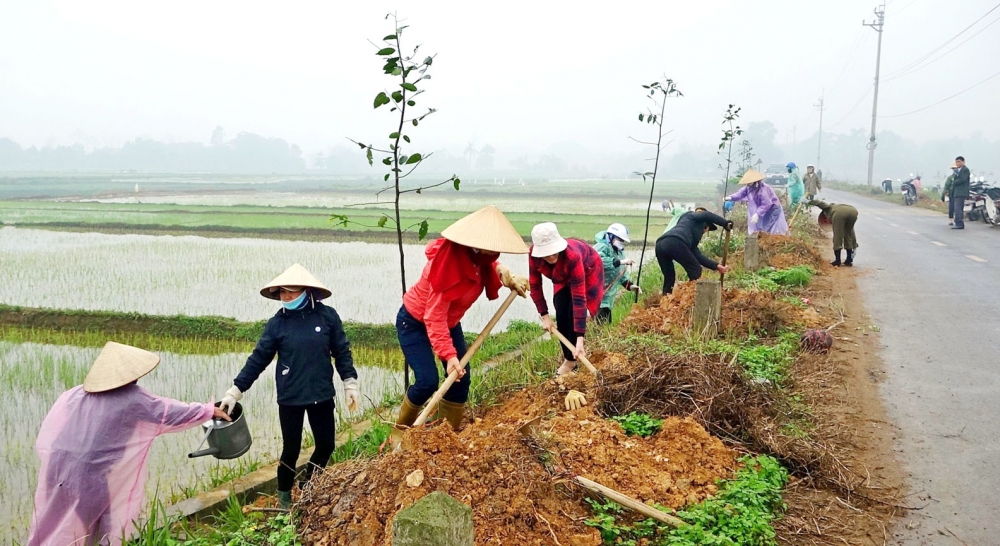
point(486, 229)
point(295, 276)
point(117, 366)
point(751, 176)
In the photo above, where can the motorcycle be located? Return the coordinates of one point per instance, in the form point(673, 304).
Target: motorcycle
point(909, 191)
point(981, 205)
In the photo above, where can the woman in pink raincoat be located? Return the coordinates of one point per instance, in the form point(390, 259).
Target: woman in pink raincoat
point(94, 446)
point(764, 212)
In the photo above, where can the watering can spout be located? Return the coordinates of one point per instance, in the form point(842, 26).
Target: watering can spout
point(202, 453)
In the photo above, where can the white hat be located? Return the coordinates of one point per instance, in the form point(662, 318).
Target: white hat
point(296, 275)
point(810, 165)
point(546, 241)
point(486, 229)
point(117, 366)
point(620, 231)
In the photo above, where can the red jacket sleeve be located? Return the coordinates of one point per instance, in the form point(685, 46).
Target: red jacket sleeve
point(535, 284)
point(435, 319)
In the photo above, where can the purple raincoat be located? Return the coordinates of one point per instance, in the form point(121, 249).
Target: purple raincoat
point(762, 201)
point(94, 449)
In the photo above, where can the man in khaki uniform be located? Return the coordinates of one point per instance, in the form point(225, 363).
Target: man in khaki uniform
point(812, 182)
point(843, 218)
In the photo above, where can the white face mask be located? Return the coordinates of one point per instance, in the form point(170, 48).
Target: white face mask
point(618, 244)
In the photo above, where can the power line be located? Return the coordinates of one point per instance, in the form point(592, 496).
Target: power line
point(943, 55)
point(853, 108)
point(944, 99)
point(852, 58)
point(942, 46)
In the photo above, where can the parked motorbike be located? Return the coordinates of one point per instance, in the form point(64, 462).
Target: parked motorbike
point(982, 206)
point(909, 191)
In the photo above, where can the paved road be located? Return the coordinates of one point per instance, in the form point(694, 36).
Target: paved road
point(935, 294)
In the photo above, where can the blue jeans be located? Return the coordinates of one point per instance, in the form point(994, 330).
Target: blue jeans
point(420, 358)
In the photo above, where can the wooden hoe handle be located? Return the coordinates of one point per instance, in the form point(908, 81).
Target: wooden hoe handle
point(570, 346)
point(452, 377)
point(629, 502)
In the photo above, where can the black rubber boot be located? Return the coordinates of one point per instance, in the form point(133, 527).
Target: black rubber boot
point(836, 263)
point(850, 258)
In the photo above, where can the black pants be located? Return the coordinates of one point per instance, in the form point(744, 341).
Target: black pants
point(959, 210)
point(603, 315)
point(324, 429)
point(951, 208)
point(670, 250)
point(563, 302)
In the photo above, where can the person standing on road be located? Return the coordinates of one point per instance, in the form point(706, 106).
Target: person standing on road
point(842, 218)
point(681, 245)
point(764, 212)
point(461, 265)
point(812, 182)
point(578, 282)
point(305, 334)
point(610, 244)
point(94, 450)
point(946, 195)
point(960, 191)
point(795, 187)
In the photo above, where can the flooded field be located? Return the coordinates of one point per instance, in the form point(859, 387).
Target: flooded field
point(32, 376)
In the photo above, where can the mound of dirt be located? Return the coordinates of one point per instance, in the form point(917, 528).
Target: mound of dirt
point(783, 251)
point(519, 488)
point(742, 312)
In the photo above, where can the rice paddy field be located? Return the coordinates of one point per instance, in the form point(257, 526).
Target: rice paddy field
point(165, 259)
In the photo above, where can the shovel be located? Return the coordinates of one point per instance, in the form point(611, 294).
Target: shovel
point(452, 377)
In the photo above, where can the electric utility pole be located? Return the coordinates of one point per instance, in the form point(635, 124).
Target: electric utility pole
point(876, 24)
point(819, 137)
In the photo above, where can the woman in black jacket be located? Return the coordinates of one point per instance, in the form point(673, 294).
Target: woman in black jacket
point(680, 245)
point(305, 334)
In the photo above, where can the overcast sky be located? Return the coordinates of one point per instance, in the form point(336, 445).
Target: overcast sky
point(510, 73)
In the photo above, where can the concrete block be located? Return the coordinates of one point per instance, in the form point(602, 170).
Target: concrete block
point(751, 253)
point(435, 520)
point(707, 307)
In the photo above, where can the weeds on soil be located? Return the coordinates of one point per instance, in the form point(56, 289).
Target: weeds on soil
point(638, 424)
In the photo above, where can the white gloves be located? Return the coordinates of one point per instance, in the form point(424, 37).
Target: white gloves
point(233, 395)
point(755, 218)
point(352, 392)
point(635, 288)
point(627, 261)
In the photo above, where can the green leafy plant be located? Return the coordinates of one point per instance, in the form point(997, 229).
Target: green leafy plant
point(729, 134)
point(741, 513)
point(768, 362)
point(409, 72)
point(659, 91)
point(799, 275)
point(638, 424)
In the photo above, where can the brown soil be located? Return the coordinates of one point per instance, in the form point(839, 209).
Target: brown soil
point(783, 251)
point(519, 488)
point(742, 312)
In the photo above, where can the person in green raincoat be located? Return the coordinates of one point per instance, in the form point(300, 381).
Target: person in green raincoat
point(796, 189)
point(946, 192)
point(610, 244)
point(676, 212)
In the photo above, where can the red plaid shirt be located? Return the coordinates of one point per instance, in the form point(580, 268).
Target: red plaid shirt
point(581, 268)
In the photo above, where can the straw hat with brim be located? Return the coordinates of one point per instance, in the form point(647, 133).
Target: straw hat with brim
point(546, 240)
point(751, 176)
point(486, 229)
point(117, 366)
point(295, 276)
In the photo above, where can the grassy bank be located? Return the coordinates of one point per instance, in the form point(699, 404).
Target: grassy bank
point(373, 344)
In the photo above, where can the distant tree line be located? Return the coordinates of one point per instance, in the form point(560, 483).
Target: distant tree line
point(246, 153)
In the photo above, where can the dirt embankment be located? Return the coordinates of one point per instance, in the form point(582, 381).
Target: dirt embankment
point(519, 488)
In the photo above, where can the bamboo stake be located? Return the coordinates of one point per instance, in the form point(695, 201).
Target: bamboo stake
point(629, 502)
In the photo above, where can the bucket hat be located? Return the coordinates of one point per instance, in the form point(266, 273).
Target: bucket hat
point(117, 366)
point(296, 275)
point(751, 176)
point(546, 240)
point(486, 229)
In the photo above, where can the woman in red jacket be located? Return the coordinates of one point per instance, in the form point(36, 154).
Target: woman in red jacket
point(577, 275)
point(460, 266)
